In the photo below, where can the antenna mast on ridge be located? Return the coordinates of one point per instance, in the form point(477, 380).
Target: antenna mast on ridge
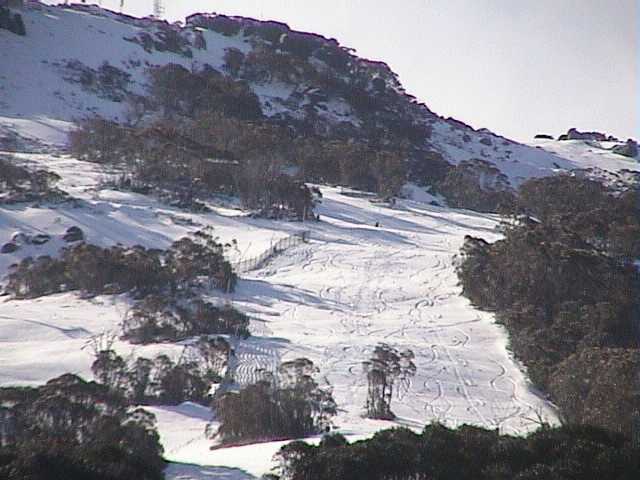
point(158, 9)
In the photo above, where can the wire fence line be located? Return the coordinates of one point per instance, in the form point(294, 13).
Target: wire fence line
point(281, 245)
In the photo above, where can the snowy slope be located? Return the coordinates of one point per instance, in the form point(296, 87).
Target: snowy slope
point(331, 300)
point(33, 91)
point(37, 102)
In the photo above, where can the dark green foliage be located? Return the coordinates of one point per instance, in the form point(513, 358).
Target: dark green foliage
point(162, 381)
point(178, 91)
point(610, 223)
point(282, 197)
point(18, 25)
point(223, 24)
point(187, 260)
point(233, 61)
point(101, 141)
point(73, 429)
point(291, 404)
point(596, 386)
point(476, 185)
point(12, 22)
point(96, 270)
point(565, 286)
point(158, 318)
point(89, 268)
point(468, 453)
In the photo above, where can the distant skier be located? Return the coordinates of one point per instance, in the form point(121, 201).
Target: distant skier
point(377, 224)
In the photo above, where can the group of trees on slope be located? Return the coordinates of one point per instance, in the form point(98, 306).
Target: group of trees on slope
point(201, 132)
point(290, 403)
point(564, 283)
point(467, 453)
point(286, 404)
point(77, 430)
point(162, 381)
point(20, 184)
point(96, 270)
point(166, 285)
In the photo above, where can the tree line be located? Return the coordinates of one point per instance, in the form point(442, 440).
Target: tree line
point(564, 283)
point(467, 453)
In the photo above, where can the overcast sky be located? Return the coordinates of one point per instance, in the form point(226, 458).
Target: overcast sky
point(516, 67)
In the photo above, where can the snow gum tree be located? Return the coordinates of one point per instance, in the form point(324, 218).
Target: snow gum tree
point(386, 368)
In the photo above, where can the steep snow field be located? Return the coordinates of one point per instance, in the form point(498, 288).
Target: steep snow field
point(331, 300)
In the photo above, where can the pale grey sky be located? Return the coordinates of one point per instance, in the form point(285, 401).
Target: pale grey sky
point(517, 67)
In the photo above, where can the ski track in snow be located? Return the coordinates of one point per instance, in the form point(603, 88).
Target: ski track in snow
point(397, 284)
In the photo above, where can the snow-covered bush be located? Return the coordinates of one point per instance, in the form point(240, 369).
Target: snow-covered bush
point(19, 184)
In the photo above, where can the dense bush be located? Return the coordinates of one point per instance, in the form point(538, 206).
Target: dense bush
point(12, 22)
point(20, 184)
point(468, 453)
point(117, 269)
point(73, 429)
point(174, 90)
point(287, 405)
point(223, 24)
point(158, 318)
point(563, 282)
point(162, 381)
point(476, 185)
point(610, 222)
point(201, 132)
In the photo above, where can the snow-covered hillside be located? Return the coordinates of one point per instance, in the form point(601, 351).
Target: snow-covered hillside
point(331, 300)
point(42, 90)
point(372, 272)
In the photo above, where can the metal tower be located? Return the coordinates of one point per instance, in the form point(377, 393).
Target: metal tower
point(158, 9)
